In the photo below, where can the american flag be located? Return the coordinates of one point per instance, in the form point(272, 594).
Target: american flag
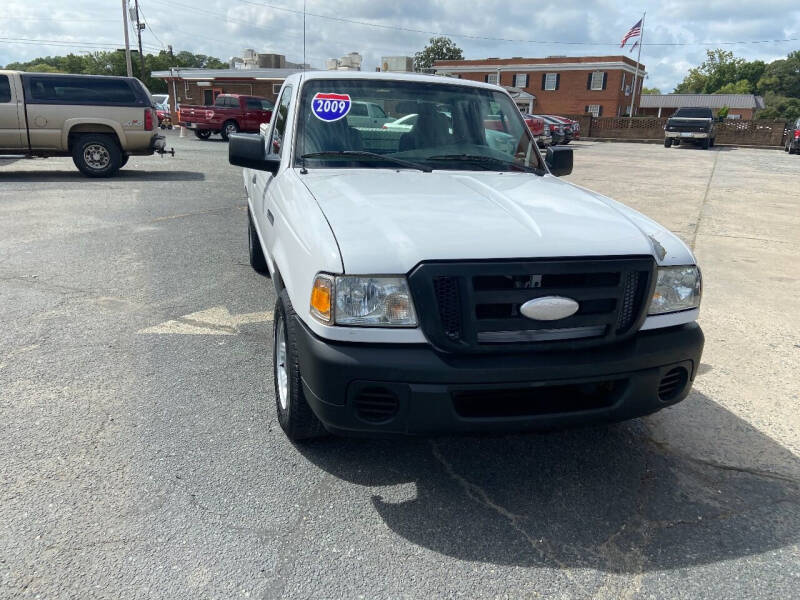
point(635, 31)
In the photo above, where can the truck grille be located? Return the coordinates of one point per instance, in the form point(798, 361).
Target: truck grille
point(474, 306)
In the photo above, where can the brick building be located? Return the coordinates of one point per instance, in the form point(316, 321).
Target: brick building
point(566, 85)
point(201, 86)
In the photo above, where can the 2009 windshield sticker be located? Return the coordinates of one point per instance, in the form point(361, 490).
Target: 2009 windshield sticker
point(330, 107)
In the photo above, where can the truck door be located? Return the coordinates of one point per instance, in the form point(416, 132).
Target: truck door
point(262, 182)
point(13, 135)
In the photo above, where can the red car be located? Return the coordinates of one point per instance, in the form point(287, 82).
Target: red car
point(576, 126)
point(164, 118)
point(537, 126)
point(231, 113)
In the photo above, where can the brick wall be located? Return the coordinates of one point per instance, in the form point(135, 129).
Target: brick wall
point(191, 93)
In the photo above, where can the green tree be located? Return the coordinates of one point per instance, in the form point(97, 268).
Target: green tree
point(719, 68)
point(742, 86)
point(438, 48)
point(653, 90)
point(113, 63)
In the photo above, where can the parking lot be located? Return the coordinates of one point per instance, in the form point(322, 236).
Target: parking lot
point(140, 456)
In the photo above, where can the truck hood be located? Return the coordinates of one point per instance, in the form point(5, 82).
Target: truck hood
point(388, 221)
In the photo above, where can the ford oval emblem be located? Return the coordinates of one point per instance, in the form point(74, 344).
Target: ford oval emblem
point(549, 308)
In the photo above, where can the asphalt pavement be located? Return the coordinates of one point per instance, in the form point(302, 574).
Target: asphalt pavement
point(140, 456)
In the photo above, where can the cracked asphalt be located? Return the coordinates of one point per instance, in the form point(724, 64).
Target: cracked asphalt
point(139, 465)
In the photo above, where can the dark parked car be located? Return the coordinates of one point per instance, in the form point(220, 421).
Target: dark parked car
point(792, 145)
point(693, 125)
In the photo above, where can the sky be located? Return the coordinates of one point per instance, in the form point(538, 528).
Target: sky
point(676, 32)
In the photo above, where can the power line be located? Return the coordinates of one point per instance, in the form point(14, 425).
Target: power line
point(150, 29)
point(60, 20)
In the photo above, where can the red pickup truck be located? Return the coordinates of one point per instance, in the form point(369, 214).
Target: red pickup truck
point(230, 113)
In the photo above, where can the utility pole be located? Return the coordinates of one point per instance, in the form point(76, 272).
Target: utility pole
point(139, 28)
point(127, 41)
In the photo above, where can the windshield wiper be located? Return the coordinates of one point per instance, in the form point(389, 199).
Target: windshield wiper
point(480, 158)
point(364, 154)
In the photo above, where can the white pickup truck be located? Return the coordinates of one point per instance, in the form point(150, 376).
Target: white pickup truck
point(431, 280)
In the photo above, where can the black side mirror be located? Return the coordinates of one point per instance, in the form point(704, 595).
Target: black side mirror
point(559, 160)
point(249, 150)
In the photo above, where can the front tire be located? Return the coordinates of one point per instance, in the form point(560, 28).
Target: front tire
point(97, 155)
point(295, 416)
point(667, 142)
point(228, 129)
point(202, 134)
point(257, 259)
point(706, 144)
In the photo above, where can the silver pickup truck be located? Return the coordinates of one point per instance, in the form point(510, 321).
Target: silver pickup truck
point(99, 121)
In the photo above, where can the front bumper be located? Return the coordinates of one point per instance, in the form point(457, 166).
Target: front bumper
point(687, 135)
point(437, 392)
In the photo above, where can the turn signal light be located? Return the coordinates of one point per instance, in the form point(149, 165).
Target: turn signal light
point(148, 119)
point(321, 295)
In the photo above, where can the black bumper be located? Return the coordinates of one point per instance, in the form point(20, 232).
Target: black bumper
point(436, 393)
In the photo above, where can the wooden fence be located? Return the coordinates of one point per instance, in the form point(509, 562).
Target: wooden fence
point(735, 132)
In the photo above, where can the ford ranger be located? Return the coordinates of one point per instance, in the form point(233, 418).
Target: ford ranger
point(695, 125)
point(99, 121)
point(230, 114)
point(447, 283)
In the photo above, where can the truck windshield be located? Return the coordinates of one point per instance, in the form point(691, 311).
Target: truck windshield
point(693, 113)
point(368, 123)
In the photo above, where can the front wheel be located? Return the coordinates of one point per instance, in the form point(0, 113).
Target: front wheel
point(295, 416)
point(228, 129)
point(667, 142)
point(202, 134)
point(97, 155)
point(706, 144)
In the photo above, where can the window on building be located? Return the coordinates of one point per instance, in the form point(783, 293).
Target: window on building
point(597, 80)
point(276, 88)
point(491, 78)
point(595, 110)
point(521, 80)
point(551, 81)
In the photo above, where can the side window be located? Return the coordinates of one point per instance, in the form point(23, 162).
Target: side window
point(82, 90)
point(377, 111)
point(280, 116)
point(358, 109)
point(5, 89)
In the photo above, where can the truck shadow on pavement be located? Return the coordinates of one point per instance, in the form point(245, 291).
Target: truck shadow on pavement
point(73, 176)
point(690, 486)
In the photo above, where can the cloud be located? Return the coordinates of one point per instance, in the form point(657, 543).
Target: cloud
point(223, 28)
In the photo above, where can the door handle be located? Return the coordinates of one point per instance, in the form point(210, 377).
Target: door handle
point(254, 177)
point(270, 217)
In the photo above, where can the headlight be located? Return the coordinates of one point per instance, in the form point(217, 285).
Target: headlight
point(677, 288)
point(364, 301)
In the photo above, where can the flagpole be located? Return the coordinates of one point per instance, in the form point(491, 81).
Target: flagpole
point(636, 74)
